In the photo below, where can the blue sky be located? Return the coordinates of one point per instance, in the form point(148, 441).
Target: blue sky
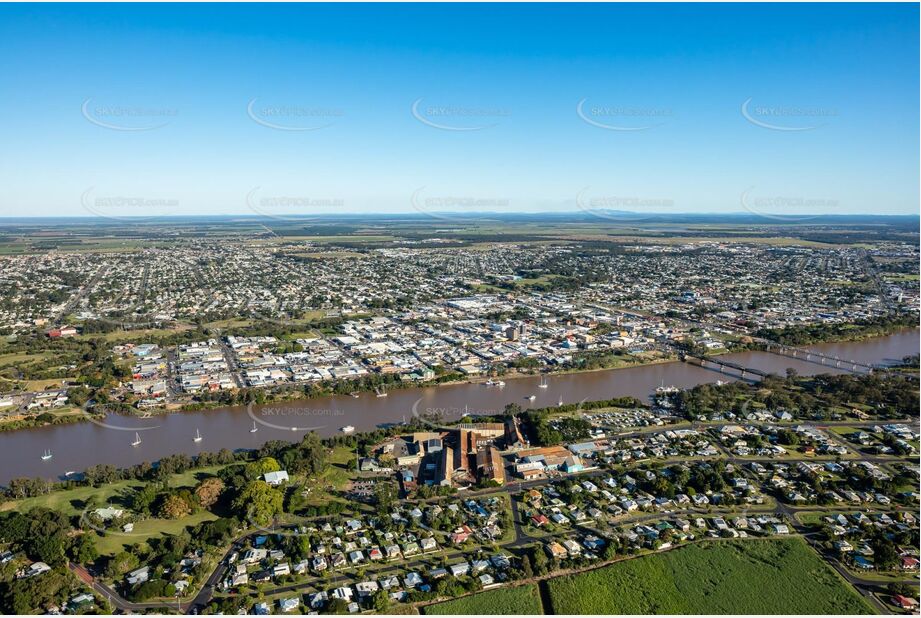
point(188, 109)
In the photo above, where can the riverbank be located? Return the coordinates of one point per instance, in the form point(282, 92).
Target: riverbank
point(58, 417)
point(79, 445)
point(293, 393)
point(836, 333)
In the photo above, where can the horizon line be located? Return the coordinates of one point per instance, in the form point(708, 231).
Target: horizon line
point(790, 218)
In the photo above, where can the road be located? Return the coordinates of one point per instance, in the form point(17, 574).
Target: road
point(81, 293)
point(231, 361)
point(520, 539)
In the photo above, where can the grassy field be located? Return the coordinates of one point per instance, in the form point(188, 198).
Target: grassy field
point(111, 544)
point(811, 518)
point(23, 358)
point(329, 255)
point(335, 478)
point(776, 576)
point(842, 430)
point(504, 601)
point(137, 334)
point(73, 502)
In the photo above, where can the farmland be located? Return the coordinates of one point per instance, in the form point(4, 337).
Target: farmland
point(504, 601)
point(731, 577)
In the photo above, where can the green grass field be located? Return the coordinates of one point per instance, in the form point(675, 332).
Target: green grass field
point(777, 576)
point(336, 477)
point(73, 502)
point(111, 544)
point(504, 601)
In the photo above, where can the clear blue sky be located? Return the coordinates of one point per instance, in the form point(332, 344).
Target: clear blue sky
point(186, 74)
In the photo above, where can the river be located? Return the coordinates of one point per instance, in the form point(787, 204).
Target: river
point(77, 446)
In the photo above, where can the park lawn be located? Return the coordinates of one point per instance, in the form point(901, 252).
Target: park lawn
point(341, 468)
point(137, 334)
point(230, 323)
point(72, 502)
point(771, 576)
point(336, 477)
point(41, 385)
point(23, 358)
point(190, 478)
point(114, 542)
point(504, 601)
point(900, 277)
point(810, 518)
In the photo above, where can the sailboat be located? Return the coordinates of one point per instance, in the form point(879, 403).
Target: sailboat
point(197, 437)
point(46, 455)
point(254, 429)
point(560, 402)
point(543, 382)
point(137, 439)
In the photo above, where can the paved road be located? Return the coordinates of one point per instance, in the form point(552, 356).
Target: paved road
point(231, 361)
point(521, 539)
point(117, 600)
point(81, 293)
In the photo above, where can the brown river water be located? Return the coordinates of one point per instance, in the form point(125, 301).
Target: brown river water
point(77, 446)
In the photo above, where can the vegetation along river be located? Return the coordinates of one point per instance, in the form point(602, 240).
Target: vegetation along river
point(75, 447)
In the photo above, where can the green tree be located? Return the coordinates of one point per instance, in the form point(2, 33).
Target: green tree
point(256, 469)
point(885, 554)
point(337, 606)
point(526, 569)
point(84, 549)
point(122, 563)
point(259, 502)
point(142, 500)
point(33, 595)
point(539, 560)
point(380, 601)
